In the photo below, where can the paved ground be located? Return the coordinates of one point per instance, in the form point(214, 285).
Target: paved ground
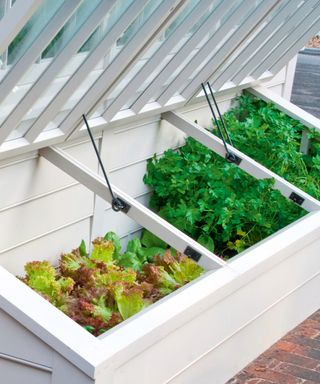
point(306, 85)
point(295, 359)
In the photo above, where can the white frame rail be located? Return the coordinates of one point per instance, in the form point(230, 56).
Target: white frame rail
point(286, 106)
point(138, 212)
point(248, 165)
point(56, 65)
point(242, 59)
point(110, 74)
point(151, 65)
point(80, 74)
point(296, 37)
point(122, 63)
point(219, 11)
point(216, 57)
point(64, 12)
point(263, 51)
point(14, 20)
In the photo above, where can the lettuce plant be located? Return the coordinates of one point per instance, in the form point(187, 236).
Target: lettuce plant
point(214, 201)
point(102, 289)
point(272, 138)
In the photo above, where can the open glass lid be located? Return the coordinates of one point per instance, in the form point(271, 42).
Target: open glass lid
point(117, 59)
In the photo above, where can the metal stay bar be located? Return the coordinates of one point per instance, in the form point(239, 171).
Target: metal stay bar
point(250, 166)
point(138, 212)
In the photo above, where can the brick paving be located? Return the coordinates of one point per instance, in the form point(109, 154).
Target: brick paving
point(295, 359)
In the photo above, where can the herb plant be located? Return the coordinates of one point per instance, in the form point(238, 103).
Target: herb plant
point(272, 138)
point(214, 201)
point(100, 290)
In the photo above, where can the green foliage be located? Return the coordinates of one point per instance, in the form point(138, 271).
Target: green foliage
point(111, 236)
point(129, 301)
point(148, 239)
point(102, 250)
point(83, 249)
point(272, 138)
point(42, 277)
point(214, 201)
point(100, 290)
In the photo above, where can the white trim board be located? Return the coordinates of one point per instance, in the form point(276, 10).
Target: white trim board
point(54, 69)
point(14, 20)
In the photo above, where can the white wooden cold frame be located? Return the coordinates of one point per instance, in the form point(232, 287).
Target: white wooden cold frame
point(193, 335)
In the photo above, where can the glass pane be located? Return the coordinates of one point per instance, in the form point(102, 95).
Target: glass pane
point(32, 30)
point(116, 48)
point(167, 33)
point(175, 50)
point(219, 23)
point(56, 46)
point(2, 8)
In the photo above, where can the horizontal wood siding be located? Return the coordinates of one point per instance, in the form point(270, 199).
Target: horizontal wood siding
point(15, 372)
point(16, 341)
point(42, 210)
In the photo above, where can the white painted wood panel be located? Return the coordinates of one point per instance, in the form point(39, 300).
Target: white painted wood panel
point(130, 178)
point(17, 341)
point(263, 295)
point(128, 144)
point(44, 215)
point(65, 372)
point(31, 177)
point(16, 373)
point(117, 221)
point(47, 246)
point(230, 356)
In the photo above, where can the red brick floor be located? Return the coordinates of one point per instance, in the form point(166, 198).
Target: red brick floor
point(295, 359)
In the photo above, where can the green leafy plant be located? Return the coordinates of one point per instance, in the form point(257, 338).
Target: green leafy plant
point(273, 139)
point(100, 290)
point(214, 201)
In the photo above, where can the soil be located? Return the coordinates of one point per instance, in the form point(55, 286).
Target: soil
point(314, 42)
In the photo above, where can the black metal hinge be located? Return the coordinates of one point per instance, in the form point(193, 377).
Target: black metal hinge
point(120, 205)
point(296, 198)
point(233, 158)
point(192, 253)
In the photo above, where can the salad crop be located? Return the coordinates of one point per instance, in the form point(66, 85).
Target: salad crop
point(214, 201)
point(102, 289)
point(272, 138)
